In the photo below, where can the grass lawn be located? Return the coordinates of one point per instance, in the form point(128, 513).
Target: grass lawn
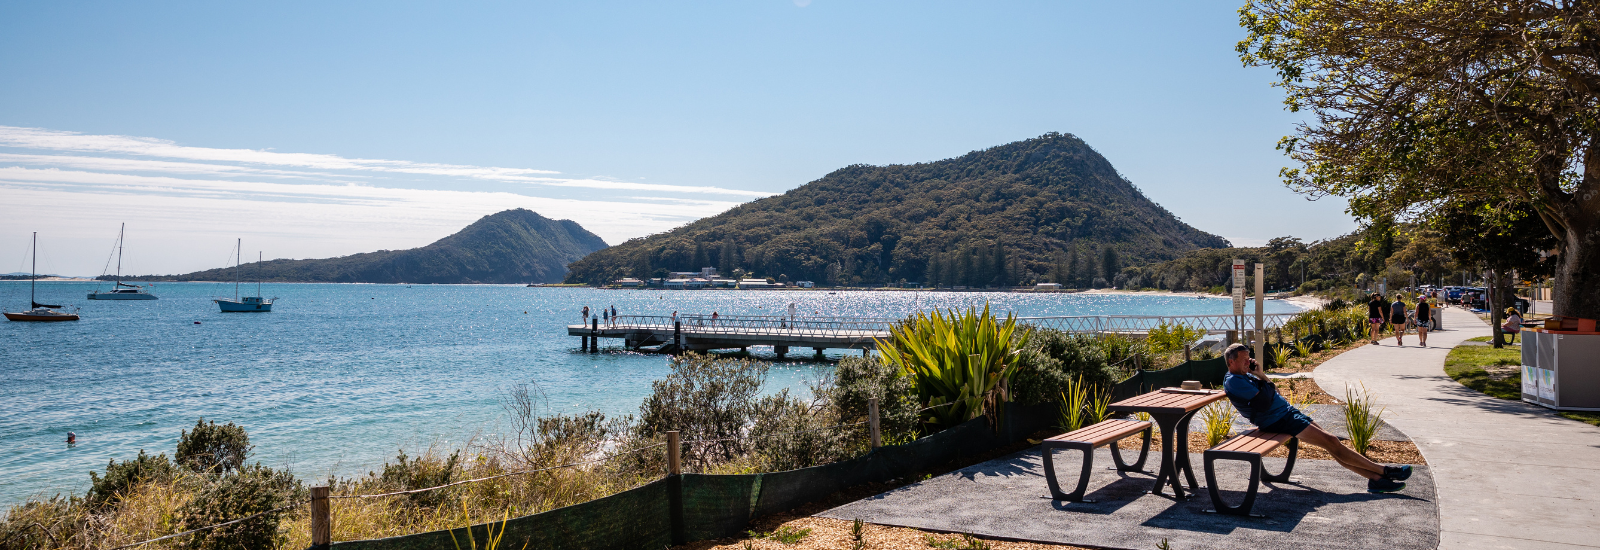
point(1495, 372)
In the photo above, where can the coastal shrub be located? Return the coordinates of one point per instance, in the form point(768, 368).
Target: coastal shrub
point(55, 522)
point(857, 379)
point(410, 474)
point(958, 361)
point(789, 433)
point(125, 475)
point(213, 449)
point(253, 489)
point(1052, 359)
point(1170, 338)
point(709, 401)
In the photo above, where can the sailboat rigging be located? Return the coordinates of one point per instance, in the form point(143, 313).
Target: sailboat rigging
point(40, 312)
point(247, 303)
point(122, 291)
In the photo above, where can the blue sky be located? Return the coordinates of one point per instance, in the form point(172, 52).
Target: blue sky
point(329, 128)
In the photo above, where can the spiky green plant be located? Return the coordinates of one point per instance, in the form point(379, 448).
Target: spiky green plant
point(1072, 414)
point(1281, 355)
point(959, 361)
point(1302, 349)
point(1359, 417)
point(1218, 422)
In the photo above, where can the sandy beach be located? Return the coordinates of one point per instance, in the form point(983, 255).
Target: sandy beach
point(1303, 302)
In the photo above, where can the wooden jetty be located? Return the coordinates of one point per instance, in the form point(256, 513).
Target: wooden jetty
point(702, 332)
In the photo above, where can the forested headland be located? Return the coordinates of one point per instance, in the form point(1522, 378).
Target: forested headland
point(1045, 209)
point(514, 246)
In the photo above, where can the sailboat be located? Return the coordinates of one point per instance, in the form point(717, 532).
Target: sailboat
point(247, 303)
point(40, 312)
point(122, 291)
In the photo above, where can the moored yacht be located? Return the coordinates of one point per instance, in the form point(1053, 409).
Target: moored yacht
point(248, 303)
point(122, 291)
point(40, 312)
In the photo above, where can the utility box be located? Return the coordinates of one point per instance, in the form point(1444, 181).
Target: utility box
point(1561, 369)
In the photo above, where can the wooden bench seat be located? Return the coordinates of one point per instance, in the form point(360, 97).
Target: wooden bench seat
point(1248, 447)
point(1108, 432)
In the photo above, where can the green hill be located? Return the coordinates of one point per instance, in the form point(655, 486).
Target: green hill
point(514, 246)
point(1045, 209)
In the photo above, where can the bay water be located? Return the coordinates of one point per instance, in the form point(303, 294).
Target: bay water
point(339, 377)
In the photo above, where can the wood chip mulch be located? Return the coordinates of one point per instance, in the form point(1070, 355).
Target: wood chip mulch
point(830, 534)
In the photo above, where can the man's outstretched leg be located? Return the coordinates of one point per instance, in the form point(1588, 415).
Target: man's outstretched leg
point(1380, 478)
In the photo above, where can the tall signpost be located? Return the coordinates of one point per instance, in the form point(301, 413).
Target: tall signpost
point(1261, 327)
point(1238, 297)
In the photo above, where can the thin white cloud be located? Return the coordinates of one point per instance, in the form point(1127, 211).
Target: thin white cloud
point(61, 141)
point(108, 164)
point(177, 225)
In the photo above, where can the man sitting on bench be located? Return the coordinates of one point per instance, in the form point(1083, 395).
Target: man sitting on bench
point(1257, 399)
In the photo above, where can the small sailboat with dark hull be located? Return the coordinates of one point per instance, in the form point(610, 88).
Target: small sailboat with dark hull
point(122, 291)
point(255, 304)
point(40, 312)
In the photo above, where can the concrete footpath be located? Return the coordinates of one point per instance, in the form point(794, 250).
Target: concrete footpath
point(1509, 474)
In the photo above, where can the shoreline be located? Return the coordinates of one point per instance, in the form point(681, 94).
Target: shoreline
point(1304, 302)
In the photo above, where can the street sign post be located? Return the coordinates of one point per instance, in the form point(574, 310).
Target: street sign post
point(1238, 288)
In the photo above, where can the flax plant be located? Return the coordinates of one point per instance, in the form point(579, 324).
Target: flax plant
point(1281, 356)
point(1218, 422)
point(1359, 417)
point(959, 362)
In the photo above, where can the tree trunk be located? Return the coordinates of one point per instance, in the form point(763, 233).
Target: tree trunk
point(1491, 297)
point(1577, 292)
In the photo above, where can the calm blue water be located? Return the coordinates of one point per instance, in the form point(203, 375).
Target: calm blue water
point(339, 377)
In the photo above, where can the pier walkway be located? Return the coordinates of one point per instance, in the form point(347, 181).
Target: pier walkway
point(701, 332)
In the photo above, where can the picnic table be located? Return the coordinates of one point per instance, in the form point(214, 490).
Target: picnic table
point(1172, 409)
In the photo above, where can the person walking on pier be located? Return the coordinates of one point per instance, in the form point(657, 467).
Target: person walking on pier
point(613, 314)
point(585, 316)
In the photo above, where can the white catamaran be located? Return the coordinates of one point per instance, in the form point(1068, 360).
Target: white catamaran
point(248, 303)
point(122, 291)
point(40, 312)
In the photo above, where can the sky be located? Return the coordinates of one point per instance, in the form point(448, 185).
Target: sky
point(322, 129)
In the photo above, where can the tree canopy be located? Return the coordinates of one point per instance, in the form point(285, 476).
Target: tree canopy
point(1419, 108)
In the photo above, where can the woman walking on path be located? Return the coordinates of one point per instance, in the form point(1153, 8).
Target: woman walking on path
point(1375, 316)
point(1424, 319)
point(1397, 319)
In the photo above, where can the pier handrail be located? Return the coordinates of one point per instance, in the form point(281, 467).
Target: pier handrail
point(802, 325)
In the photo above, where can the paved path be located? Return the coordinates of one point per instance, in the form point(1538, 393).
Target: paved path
point(1509, 475)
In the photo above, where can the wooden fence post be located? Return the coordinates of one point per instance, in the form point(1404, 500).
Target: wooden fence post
point(872, 422)
point(674, 461)
point(321, 518)
point(1187, 348)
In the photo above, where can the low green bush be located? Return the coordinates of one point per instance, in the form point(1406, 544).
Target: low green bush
point(213, 449)
point(1053, 360)
point(250, 490)
point(125, 475)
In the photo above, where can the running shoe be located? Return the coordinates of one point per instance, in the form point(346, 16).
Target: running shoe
point(1384, 485)
point(1397, 473)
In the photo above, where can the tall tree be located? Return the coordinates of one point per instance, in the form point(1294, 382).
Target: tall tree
point(1110, 264)
point(1420, 107)
point(700, 257)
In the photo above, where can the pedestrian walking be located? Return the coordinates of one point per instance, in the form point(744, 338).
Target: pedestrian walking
point(585, 315)
point(1424, 319)
point(1375, 316)
point(1397, 319)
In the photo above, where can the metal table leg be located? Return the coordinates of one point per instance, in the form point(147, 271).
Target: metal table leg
point(1183, 453)
point(1168, 424)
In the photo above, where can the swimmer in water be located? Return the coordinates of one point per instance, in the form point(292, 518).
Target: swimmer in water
point(72, 438)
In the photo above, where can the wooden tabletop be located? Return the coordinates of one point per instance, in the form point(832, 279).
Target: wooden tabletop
point(1163, 402)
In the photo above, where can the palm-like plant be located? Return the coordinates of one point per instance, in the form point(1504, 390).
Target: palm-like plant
point(959, 362)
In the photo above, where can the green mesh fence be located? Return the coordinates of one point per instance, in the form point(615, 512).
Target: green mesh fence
point(695, 507)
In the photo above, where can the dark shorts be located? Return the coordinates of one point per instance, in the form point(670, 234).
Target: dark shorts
point(1292, 423)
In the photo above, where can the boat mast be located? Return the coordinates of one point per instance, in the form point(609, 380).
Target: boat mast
point(236, 261)
point(258, 273)
point(33, 279)
point(119, 256)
